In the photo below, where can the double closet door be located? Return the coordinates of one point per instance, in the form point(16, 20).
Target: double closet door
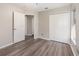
point(19, 27)
point(59, 27)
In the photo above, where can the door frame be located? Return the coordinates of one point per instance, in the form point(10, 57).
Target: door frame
point(13, 25)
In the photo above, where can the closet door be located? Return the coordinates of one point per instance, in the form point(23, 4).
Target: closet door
point(19, 27)
point(59, 27)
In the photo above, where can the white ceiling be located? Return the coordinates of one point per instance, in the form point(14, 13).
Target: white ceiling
point(39, 6)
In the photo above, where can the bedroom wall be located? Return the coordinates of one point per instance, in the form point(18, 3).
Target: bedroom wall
point(6, 19)
point(44, 20)
point(5, 25)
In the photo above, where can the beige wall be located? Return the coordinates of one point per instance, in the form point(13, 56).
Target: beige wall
point(43, 25)
point(6, 16)
point(5, 25)
point(44, 20)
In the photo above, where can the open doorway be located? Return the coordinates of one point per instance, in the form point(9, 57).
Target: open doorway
point(29, 26)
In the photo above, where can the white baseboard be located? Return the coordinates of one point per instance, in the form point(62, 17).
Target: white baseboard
point(6, 45)
point(73, 48)
point(43, 37)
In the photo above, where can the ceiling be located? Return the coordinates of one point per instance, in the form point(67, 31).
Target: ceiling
point(39, 6)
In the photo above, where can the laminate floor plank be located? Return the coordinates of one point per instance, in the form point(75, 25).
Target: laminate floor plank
point(22, 49)
point(13, 48)
point(31, 50)
point(37, 47)
point(41, 50)
point(51, 51)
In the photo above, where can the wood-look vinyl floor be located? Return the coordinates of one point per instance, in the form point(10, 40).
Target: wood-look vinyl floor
point(38, 47)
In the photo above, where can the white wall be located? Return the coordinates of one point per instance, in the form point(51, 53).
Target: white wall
point(44, 20)
point(5, 25)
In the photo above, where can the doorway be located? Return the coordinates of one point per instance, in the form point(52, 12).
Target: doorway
point(29, 26)
point(23, 26)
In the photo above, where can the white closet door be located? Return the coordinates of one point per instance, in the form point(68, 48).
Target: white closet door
point(19, 27)
point(59, 27)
